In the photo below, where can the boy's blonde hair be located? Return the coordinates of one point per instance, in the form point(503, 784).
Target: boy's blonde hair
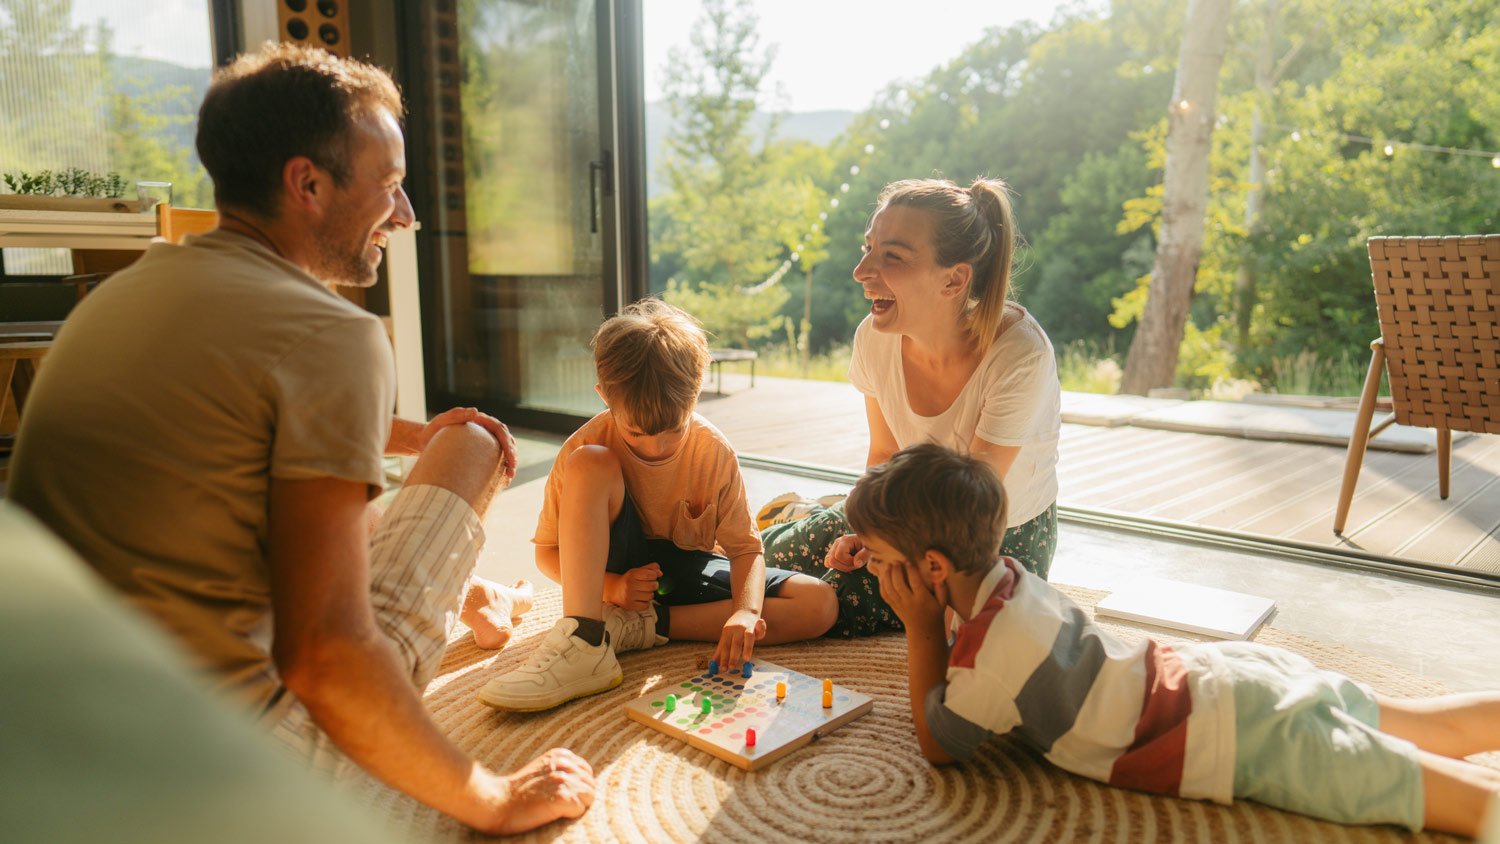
point(651, 358)
point(927, 498)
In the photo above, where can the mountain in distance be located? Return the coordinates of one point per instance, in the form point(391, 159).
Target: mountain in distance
point(817, 127)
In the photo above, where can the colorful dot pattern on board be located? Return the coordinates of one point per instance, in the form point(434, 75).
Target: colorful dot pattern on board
point(730, 705)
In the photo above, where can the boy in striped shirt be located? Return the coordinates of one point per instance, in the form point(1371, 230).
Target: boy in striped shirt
point(1210, 720)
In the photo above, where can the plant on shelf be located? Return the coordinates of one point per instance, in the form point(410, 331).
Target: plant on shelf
point(74, 181)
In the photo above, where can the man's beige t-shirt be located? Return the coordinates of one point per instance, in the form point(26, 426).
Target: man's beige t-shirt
point(695, 497)
point(172, 395)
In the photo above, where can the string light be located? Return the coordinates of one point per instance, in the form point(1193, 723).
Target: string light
point(796, 253)
point(1390, 147)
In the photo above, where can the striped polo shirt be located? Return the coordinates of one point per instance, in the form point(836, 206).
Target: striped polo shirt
point(1144, 715)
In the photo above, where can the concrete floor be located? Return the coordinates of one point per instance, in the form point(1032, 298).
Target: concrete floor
point(1450, 636)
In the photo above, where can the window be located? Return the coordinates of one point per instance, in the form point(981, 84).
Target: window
point(106, 86)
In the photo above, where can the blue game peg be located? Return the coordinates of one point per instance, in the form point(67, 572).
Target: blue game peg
point(713, 666)
point(747, 668)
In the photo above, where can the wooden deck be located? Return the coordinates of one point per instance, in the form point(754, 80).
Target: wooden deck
point(1279, 489)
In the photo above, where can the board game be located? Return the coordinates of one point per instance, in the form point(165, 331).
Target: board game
point(738, 705)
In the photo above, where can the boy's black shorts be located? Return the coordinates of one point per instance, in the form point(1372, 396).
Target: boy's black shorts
point(687, 577)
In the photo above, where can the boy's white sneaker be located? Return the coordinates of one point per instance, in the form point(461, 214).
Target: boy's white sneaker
point(563, 667)
point(631, 630)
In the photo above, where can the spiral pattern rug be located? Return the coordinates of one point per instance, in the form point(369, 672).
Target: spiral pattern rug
point(866, 782)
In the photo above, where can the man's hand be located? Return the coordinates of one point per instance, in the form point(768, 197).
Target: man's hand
point(904, 591)
point(743, 629)
point(497, 429)
point(557, 784)
point(847, 553)
point(634, 589)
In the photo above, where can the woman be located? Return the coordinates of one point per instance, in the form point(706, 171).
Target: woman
point(943, 357)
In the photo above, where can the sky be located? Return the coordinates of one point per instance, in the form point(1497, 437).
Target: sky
point(175, 31)
point(837, 54)
point(831, 54)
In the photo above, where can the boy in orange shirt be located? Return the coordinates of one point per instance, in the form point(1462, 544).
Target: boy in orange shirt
point(638, 505)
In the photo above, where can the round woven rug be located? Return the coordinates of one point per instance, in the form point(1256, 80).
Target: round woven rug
point(866, 782)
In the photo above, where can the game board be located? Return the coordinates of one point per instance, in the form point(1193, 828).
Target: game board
point(739, 704)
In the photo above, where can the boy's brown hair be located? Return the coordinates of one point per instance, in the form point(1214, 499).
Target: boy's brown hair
point(929, 498)
point(651, 359)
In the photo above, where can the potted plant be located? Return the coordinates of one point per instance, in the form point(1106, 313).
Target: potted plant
point(73, 189)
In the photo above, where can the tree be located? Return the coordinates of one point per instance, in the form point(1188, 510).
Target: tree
point(1152, 360)
point(725, 212)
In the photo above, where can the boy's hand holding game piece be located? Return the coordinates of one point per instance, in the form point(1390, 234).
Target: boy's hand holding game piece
point(634, 589)
point(847, 553)
point(743, 629)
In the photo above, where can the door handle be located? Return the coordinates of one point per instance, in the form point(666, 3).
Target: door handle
point(595, 168)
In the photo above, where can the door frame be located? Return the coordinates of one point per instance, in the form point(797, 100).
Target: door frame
point(622, 199)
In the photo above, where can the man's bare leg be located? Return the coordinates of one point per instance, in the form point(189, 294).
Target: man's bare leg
point(466, 460)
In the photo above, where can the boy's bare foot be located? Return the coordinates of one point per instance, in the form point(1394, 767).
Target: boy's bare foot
point(491, 610)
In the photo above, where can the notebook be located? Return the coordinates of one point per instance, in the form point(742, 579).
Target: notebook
point(1184, 606)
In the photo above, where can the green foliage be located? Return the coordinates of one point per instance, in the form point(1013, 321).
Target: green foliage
point(734, 213)
point(1085, 366)
point(67, 115)
point(1072, 116)
point(731, 319)
point(786, 361)
point(1308, 374)
point(74, 181)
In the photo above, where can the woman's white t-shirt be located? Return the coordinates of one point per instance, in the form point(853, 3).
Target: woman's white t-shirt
point(1012, 399)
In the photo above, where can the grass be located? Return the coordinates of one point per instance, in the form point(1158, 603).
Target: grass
point(1308, 374)
point(1090, 367)
point(1087, 367)
point(786, 362)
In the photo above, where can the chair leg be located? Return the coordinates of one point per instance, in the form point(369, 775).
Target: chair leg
point(1445, 460)
point(1360, 437)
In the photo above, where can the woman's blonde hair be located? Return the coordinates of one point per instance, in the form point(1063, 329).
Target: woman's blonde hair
point(973, 226)
point(650, 360)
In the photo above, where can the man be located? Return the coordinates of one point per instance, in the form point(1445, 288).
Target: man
point(208, 428)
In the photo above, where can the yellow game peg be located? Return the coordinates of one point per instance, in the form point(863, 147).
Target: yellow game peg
point(828, 700)
point(827, 686)
point(780, 692)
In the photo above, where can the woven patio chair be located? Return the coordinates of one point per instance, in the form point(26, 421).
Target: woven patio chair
point(1438, 301)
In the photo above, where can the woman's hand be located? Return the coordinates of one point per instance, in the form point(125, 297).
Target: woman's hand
point(743, 629)
point(634, 589)
point(847, 553)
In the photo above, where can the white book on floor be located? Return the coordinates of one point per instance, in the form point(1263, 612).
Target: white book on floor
point(1184, 606)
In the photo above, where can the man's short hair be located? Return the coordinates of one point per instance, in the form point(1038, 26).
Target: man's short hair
point(284, 101)
point(651, 359)
point(928, 498)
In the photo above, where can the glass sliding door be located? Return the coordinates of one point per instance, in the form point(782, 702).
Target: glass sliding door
point(514, 119)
